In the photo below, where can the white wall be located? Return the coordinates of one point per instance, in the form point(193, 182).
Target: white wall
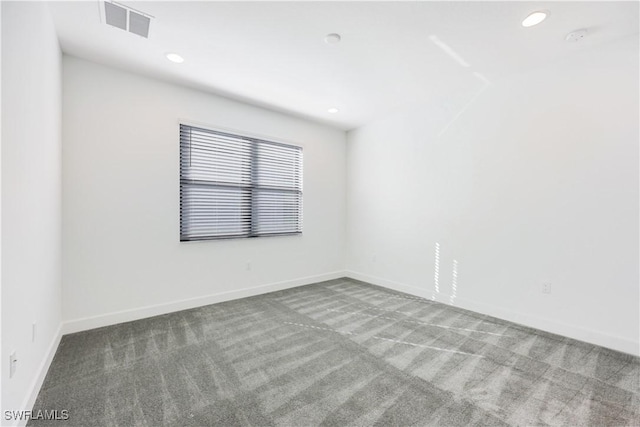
point(1, 407)
point(537, 180)
point(121, 248)
point(31, 197)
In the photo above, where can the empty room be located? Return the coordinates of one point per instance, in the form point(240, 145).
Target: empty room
point(323, 213)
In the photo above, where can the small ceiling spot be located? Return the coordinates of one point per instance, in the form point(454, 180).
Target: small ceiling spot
point(332, 38)
point(576, 36)
point(535, 18)
point(174, 57)
point(333, 110)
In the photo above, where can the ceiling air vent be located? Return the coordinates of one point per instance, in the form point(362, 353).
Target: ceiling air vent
point(125, 18)
point(139, 24)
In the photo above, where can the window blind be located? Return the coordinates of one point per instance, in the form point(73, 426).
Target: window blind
point(234, 186)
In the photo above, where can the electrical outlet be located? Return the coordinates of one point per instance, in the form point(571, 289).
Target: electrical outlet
point(13, 363)
point(546, 288)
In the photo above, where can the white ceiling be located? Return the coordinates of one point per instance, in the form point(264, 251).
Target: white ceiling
point(273, 54)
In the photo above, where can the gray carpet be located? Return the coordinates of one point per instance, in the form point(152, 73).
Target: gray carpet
point(336, 353)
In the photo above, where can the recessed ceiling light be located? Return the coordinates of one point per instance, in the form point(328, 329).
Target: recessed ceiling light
point(174, 57)
point(535, 18)
point(332, 38)
point(333, 110)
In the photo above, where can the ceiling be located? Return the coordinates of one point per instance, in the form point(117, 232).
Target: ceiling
point(273, 54)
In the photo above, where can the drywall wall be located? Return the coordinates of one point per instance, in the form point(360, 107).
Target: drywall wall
point(534, 181)
point(31, 198)
point(1, 407)
point(122, 257)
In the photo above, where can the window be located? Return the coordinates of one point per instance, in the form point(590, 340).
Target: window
point(235, 186)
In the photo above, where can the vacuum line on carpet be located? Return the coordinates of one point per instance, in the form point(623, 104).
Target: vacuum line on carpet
point(384, 339)
point(417, 321)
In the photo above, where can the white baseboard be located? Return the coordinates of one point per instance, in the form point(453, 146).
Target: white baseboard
point(83, 324)
point(43, 368)
point(576, 332)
